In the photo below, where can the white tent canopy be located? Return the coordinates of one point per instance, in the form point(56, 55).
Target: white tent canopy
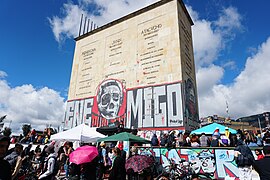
point(82, 133)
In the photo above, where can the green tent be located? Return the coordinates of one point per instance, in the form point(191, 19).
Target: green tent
point(124, 136)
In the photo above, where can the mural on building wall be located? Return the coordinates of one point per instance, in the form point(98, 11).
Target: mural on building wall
point(220, 162)
point(109, 104)
point(190, 101)
point(152, 106)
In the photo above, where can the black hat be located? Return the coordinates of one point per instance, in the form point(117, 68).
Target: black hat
point(4, 138)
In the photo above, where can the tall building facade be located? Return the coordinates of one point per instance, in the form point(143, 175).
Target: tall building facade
point(137, 71)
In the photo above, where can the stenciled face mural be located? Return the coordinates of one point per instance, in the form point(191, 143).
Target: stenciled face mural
point(110, 98)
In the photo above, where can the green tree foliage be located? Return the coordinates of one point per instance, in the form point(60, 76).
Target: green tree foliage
point(26, 129)
point(7, 131)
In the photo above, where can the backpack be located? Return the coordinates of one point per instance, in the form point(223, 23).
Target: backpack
point(214, 143)
point(245, 158)
point(225, 141)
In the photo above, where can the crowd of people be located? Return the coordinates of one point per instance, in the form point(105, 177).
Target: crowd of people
point(33, 137)
point(51, 163)
point(216, 139)
point(242, 141)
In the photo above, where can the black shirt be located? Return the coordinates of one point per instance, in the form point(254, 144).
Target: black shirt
point(5, 170)
point(262, 166)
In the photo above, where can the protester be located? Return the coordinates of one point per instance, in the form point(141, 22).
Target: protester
point(171, 140)
point(244, 159)
point(214, 141)
point(4, 164)
point(259, 154)
point(259, 139)
point(225, 141)
point(118, 171)
point(123, 152)
point(102, 160)
point(204, 140)
point(266, 138)
point(164, 139)
point(14, 159)
point(194, 141)
point(154, 140)
point(227, 132)
point(21, 159)
point(133, 151)
point(262, 166)
point(47, 173)
point(67, 149)
point(88, 170)
point(180, 138)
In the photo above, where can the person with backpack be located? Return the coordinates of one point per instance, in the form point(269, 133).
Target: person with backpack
point(244, 159)
point(50, 168)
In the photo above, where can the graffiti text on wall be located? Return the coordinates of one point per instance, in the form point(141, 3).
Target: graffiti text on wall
point(219, 162)
point(158, 106)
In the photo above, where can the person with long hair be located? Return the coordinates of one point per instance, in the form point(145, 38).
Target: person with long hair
point(118, 171)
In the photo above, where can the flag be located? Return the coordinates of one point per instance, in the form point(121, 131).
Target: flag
point(216, 132)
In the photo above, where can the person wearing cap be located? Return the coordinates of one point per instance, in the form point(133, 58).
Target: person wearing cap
point(4, 165)
point(262, 166)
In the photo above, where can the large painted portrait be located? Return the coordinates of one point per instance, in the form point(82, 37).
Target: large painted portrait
point(109, 103)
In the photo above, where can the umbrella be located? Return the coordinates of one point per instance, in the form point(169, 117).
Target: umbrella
point(83, 154)
point(139, 162)
point(209, 129)
point(124, 136)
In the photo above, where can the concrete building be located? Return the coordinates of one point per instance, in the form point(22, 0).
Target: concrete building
point(137, 71)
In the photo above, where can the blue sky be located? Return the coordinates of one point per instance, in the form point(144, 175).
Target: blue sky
point(231, 46)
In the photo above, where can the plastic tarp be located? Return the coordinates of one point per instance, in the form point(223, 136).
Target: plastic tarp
point(82, 133)
point(209, 129)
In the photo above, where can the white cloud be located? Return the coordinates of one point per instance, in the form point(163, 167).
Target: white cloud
point(26, 104)
point(248, 95)
point(229, 20)
point(3, 74)
point(230, 65)
point(208, 77)
point(66, 25)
